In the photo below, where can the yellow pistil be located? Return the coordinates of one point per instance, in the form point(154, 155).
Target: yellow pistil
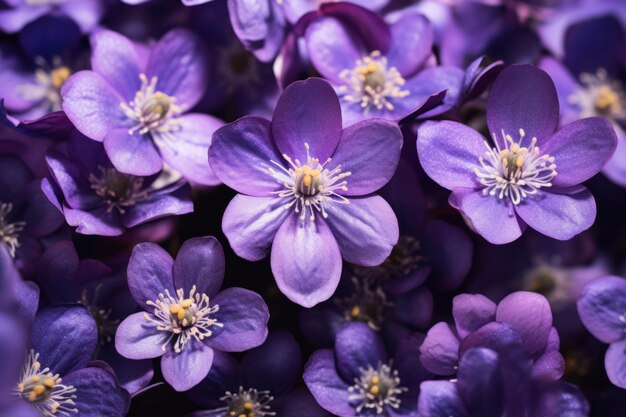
point(355, 312)
point(59, 75)
point(607, 98)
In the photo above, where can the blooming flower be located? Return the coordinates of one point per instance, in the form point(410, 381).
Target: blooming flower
point(501, 188)
point(306, 190)
point(99, 199)
point(359, 378)
point(602, 309)
point(186, 318)
point(18, 13)
point(135, 100)
point(590, 81)
point(56, 375)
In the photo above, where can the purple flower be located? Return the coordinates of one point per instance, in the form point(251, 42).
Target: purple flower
point(602, 309)
point(185, 2)
point(501, 188)
point(306, 190)
point(99, 199)
point(18, 13)
point(262, 384)
point(295, 9)
point(64, 278)
point(375, 76)
point(359, 378)
point(186, 317)
point(57, 377)
point(590, 81)
point(522, 316)
point(135, 100)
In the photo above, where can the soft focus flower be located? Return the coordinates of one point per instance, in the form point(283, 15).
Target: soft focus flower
point(99, 199)
point(135, 99)
point(531, 174)
point(306, 189)
point(18, 13)
point(186, 317)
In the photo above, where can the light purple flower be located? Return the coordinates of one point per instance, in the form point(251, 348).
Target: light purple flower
point(186, 317)
point(306, 189)
point(602, 309)
point(18, 13)
point(135, 100)
point(531, 174)
point(98, 199)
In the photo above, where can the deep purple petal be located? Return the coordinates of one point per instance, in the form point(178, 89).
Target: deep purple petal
point(560, 215)
point(529, 314)
point(471, 312)
point(200, 263)
point(138, 338)
point(370, 151)
point(325, 384)
point(71, 181)
point(12, 348)
point(366, 229)
point(581, 149)
point(523, 97)
point(92, 105)
point(601, 306)
point(480, 383)
point(615, 363)
point(440, 399)
point(186, 369)
point(449, 152)
point(251, 223)
point(414, 308)
point(225, 375)
point(333, 47)
point(65, 338)
point(489, 216)
point(306, 261)
point(307, 112)
point(240, 156)
point(244, 315)
point(159, 205)
point(179, 61)
point(357, 347)
point(150, 274)
point(549, 366)
point(132, 153)
point(565, 84)
point(117, 60)
point(412, 42)
point(98, 394)
point(440, 350)
point(187, 152)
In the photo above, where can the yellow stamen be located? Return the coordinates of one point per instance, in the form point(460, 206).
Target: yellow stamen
point(374, 389)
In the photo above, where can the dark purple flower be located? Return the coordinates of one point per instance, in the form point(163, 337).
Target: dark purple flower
point(590, 81)
point(57, 377)
point(602, 309)
point(503, 187)
point(99, 199)
point(187, 319)
point(295, 9)
point(135, 100)
point(18, 13)
point(522, 316)
point(359, 378)
point(64, 278)
point(306, 189)
point(375, 79)
point(262, 384)
point(185, 2)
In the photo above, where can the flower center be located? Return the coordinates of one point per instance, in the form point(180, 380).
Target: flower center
point(9, 232)
point(551, 282)
point(515, 172)
point(49, 82)
point(405, 258)
point(376, 389)
point(366, 304)
point(600, 96)
point(43, 389)
point(310, 185)
point(118, 191)
point(247, 403)
point(106, 326)
point(152, 111)
point(372, 83)
point(184, 318)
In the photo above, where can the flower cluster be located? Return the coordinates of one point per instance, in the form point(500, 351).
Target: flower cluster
point(312, 208)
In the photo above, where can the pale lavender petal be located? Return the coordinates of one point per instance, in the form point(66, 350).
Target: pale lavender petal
point(615, 363)
point(440, 350)
point(602, 306)
point(471, 312)
point(325, 384)
point(412, 43)
point(133, 154)
point(188, 368)
point(137, 338)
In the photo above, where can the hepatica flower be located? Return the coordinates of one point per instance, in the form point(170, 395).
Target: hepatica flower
point(135, 101)
point(186, 317)
point(530, 174)
point(306, 189)
point(99, 199)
